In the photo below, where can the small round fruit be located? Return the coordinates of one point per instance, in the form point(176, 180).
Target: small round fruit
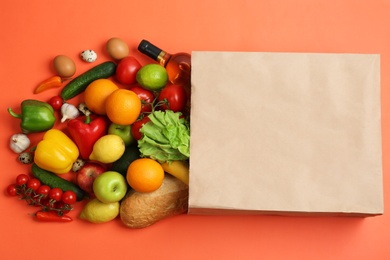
point(43, 190)
point(145, 175)
point(152, 77)
point(146, 97)
point(110, 187)
point(22, 179)
point(126, 70)
point(33, 184)
point(96, 93)
point(98, 212)
point(117, 48)
point(55, 194)
point(56, 102)
point(64, 66)
point(68, 197)
point(108, 149)
point(12, 190)
point(123, 107)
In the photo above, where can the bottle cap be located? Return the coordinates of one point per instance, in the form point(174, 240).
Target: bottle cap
point(149, 49)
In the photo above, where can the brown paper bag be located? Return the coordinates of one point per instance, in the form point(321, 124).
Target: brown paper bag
point(285, 133)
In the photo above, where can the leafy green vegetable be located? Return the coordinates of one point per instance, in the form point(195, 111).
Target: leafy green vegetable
point(166, 137)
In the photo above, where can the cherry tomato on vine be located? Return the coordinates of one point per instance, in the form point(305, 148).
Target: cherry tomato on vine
point(146, 97)
point(12, 190)
point(69, 197)
point(22, 179)
point(55, 194)
point(43, 190)
point(136, 126)
point(56, 102)
point(33, 184)
point(46, 202)
point(61, 206)
point(176, 97)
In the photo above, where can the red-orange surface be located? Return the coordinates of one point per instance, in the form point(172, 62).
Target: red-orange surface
point(33, 32)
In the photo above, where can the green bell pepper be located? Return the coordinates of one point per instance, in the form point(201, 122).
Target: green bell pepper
point(37, 116)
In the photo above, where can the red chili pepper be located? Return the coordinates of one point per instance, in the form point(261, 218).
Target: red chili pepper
point(49, 216)
point(52, 82)
point(85, 131)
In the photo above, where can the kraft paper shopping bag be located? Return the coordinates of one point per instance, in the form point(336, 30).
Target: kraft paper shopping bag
point(285, 133)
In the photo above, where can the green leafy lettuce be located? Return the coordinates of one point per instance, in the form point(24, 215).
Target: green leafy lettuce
point(166, 137)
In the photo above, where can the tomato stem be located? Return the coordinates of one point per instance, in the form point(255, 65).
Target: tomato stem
point(34, 199)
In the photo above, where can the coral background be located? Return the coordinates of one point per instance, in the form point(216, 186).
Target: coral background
point(33, 32)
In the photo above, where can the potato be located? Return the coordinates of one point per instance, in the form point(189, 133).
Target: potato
point(139, 210)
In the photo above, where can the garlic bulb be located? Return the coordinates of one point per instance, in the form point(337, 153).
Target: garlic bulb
point(19, 142)
point(69, 111)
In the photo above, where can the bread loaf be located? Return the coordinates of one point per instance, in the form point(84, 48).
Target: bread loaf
point(139, 210)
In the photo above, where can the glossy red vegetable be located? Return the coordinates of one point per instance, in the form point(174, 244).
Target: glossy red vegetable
point(33, 184)
point(52, 82)
point(85, 131)
point(146, 97)
point(126, 71)
point(137, 125)
point(175, 97)
point(12, 190)
point(22, 179)
point(49, 216)
point(68, 197)
point(55, 194)
point(56, 102)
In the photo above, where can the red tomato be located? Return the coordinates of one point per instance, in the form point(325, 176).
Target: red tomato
point(127, 69)
point(56, 102)
point(22, 179)
point(175, 96)
point(69, 197)
point(60, 205)
point(136, 126)
point(33, 184)
point(47, 202)
point(12, 190)
point(43, 190)
point(146, 97)
point(55, 194)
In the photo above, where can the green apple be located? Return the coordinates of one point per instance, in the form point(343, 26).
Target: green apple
point(123, 131)
point(110, 186)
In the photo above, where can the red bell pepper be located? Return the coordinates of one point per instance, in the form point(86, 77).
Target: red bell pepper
point(85, 131)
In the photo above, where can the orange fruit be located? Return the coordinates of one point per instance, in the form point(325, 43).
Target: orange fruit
point(96, 93)
point(123, 107)
point(145, 175)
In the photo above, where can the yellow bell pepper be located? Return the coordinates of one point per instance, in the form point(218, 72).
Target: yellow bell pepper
point(56, 152)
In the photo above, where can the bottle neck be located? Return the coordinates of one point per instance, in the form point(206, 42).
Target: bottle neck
point(163, 58)
point(154, 52)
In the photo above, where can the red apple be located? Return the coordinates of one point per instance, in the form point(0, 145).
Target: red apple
point(87, 175)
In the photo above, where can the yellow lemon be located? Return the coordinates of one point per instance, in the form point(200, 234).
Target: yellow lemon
point(96, 211)
point(108, 149)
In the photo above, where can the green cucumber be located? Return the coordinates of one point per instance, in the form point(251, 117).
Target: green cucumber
point(81, 82)
point(53, 181)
